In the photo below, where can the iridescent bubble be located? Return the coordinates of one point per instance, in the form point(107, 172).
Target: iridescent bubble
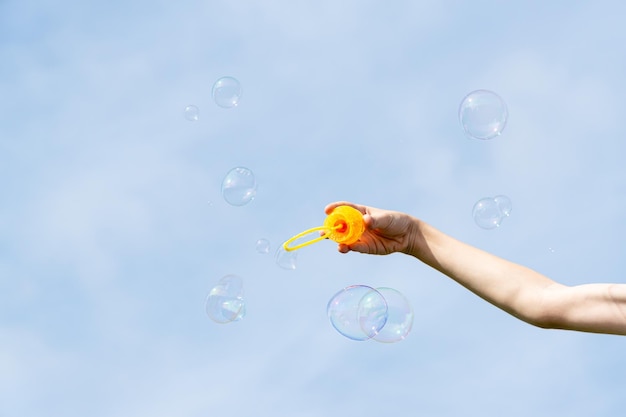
point(225, 303)
point(227, 92)
point(263, 246)
point(483, 114)
point(399, 317)
point(504, 204)
point(487, 214)
point(239, 186)
point(286, 259)
point(358, 312)
point(192, 113)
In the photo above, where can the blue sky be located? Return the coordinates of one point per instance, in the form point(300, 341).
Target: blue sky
point(113, 229)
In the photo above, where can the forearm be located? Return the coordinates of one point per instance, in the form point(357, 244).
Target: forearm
point(519, 290)
point(509, 286)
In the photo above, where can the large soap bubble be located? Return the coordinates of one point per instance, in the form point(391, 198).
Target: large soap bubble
point(399, 317)
point(358, 312)
point(361, 313)
point(483, 114)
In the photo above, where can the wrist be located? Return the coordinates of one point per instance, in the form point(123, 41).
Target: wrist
point(414, 237)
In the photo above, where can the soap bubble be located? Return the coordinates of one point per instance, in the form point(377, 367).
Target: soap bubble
point(227, 92)
point(483, 114)
point(399, 317)
point(239, 186)
point(504, 204)
point(191, 113)
point(286, 259)
point(358, 312)
point(263, 246)
point(225, 304)
point(488, 212)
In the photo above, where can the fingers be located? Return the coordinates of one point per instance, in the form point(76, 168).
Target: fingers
point(374, 218)
point(342, 248)
point(382, 220)
point(360, 247)
point(369, 221)
point(367, 217)
point(332, 206)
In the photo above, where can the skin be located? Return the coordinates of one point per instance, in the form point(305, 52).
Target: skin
point(516, 289)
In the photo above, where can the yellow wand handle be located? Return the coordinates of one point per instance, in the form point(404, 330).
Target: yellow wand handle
point(308, 242)
point(343, 225)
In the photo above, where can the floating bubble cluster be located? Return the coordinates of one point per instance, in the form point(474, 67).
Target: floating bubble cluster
point(488, 212)
point(483, 114)
point(192, 113)
point(225, 303)
point(227, 92)
point(239, 186)
point(360, 312)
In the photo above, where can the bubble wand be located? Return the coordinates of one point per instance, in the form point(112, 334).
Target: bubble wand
point(343, 225)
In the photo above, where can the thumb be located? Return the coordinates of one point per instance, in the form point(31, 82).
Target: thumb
point(369, 221)
point(381, 221)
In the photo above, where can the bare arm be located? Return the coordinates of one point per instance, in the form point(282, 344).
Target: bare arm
point(518, 290)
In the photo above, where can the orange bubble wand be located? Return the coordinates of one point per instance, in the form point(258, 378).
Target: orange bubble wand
point(343, 225)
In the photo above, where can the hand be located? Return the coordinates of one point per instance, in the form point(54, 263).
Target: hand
point(385, 231)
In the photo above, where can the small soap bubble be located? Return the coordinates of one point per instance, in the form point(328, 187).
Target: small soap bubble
point(263, 246)
point(487, 214)
point(358, 312)
point(225, 303)
point(227, 92)
point(399, 317)
point(483, 114)
point(504, 204)
point(192, 113)
point(286, 259)
point(239, 186)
